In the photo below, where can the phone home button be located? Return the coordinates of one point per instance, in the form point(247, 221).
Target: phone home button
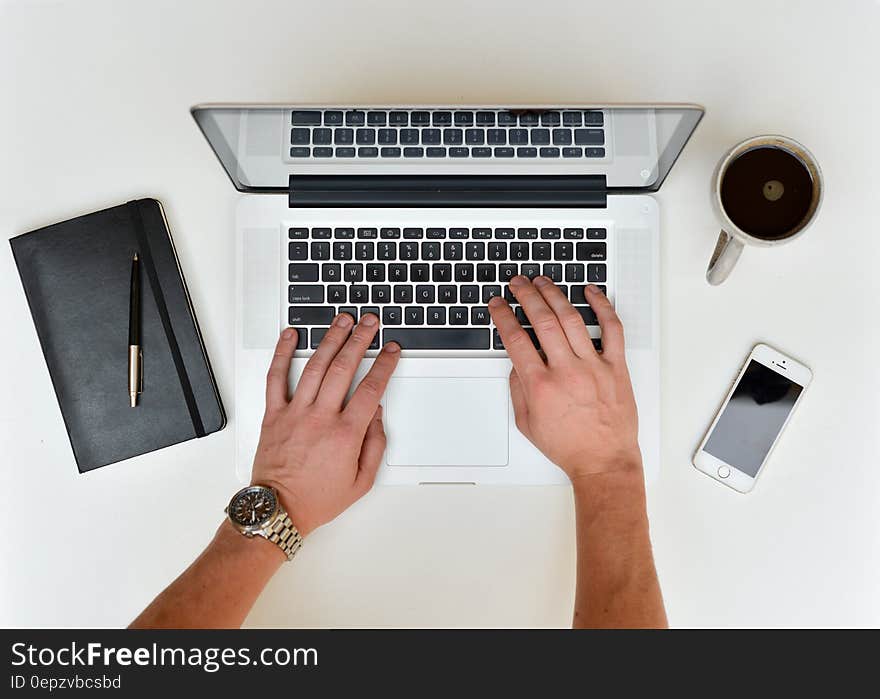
point(723, 471)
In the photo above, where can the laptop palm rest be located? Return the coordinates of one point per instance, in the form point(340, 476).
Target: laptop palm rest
point(447, 421)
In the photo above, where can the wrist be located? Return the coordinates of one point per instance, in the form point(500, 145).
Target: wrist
point(248, 551)
point(294, 508)
point(618, 494)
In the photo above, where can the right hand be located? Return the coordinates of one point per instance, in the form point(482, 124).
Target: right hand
point(574, 404)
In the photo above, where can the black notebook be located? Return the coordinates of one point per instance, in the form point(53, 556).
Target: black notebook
point(76, 277)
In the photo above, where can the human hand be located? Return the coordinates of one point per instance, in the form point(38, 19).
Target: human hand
point(318, 451)
point(574, 404)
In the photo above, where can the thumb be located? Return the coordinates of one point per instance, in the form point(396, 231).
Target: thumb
point(371, 453)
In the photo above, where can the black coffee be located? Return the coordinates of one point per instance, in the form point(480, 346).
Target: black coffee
point(767, 192)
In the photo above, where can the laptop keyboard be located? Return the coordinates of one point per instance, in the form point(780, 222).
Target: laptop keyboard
point(429, 286)
point(439, 134)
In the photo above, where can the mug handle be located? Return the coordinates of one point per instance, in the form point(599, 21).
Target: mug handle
point(727, 252)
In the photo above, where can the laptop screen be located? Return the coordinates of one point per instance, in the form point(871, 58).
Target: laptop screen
point(632, 147)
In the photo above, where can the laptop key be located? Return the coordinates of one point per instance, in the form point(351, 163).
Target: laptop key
point(345, 152)
point(485, 118)
point(597, 233)
point(550, 119)
point(300, 152)
point(504, 152)
point(506, 119)
point(342, 250)
point(364, 250)
point(413, 152)
point(540, 137)
point(574, 273)
point(353, 273)
point(591, 251)
point(438, 338)
point(469, 293)
point(490, 291)
point(527, 152)
point(403, 293)
point(376, 118)
point(447, 293)
point(358, 293)
point(310, 315)
point(589, 137)
point(305, 293)
point(452, 251)
point(459, 152)
point(317, 335)
point(485, 273)
point(351, 310)
point(343, 137)
point(573, 233)
point(392, 315)
point(354, 118)
point(343, 233)
point(550, 233)
point(307, 272)
point(481, 233)
point(552, 271)
point(389, 233)
point(593, 118)
point(435, 152)
point(474, 137)
point(368, 152)
point(441, 272)
point(420, 118)
point(453, 137)
point(306, 118)
point(458, 315)
point(330, 272)
point(397, 273)
point(435, 233)
point(519, 251)
point(431, 137)
point(480, 315)
point(424, 294)
point(337, 293)
point(497, 251)
point(552, 152)
point(518, 137)
point(496, 137)
point(475, 251)
point(497, 344)
point(409, 137)
point(442, 119)
point(322, 152)
point(572, 118)
point(413, 315)
point(588, 314)
point(387, 137)
point(398, 118)
point(528, 119)
point(390, 152)
point(463, 118)
point(386, 250)
point(420, 273)
point(596, 273)
point(375, 273)
point(381, 294)
point(541, 251)
point(561, 137)
point(332, 118)
point(322, 137)
point(297, 233)
point(413, 233)
point(297, 251)
point(506, 272)
point(458, 233)
point(464, 272)
point(563, 251)
point(572, 152)
point(594, 152)
point(530, 270)
point(409, 250)
point(436, 315)
point(300, 137)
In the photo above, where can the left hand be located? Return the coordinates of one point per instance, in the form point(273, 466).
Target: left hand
point(320, 452)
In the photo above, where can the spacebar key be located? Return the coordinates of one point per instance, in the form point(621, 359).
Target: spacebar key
point(438, 338)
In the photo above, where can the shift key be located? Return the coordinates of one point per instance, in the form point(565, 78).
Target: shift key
point(305, 293)
point(310, 315)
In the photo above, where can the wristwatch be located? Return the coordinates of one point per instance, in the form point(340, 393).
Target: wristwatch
point(256, 511)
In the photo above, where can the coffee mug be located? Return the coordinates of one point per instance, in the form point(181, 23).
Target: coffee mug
point(766, 191)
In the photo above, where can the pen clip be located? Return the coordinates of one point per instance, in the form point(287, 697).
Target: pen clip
point(140, 388)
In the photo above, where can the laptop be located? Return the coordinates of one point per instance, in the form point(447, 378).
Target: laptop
point(421, 214)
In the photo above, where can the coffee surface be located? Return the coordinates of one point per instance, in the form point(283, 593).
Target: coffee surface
point(767, 192)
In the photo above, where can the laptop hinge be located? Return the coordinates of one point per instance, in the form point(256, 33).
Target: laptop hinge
point(519, 191)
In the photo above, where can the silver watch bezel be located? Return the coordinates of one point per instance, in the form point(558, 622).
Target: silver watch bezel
point(254, 529)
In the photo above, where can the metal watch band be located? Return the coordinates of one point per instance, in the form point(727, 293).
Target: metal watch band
point(283, 533)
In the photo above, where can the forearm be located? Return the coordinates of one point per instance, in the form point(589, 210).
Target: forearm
point(219, 588)
point(617, 583)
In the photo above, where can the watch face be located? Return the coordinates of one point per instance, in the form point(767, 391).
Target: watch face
point(253, 507)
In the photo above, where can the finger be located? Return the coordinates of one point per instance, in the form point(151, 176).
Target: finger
point(516, 341)
point(542, 319)
point(313, 373)
point(569, 319)
point(367, 395)
point(609, 322)
point(371, 453)
point(279, 371)
point(340, 373)
point(520, 406)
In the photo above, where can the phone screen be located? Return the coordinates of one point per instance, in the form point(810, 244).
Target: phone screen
point(752, 418)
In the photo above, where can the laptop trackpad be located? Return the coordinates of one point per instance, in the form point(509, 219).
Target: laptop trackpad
point(447, 421)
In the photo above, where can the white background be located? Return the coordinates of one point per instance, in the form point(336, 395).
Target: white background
point(94, 112)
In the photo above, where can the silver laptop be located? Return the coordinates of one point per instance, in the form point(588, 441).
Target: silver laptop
point(421, 214)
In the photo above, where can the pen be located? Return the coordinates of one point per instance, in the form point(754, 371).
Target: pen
point(134, 334)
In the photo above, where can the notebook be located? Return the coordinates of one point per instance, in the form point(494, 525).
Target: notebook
point(76, 277)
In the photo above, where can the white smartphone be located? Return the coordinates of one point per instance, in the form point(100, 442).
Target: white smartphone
point(747, 427)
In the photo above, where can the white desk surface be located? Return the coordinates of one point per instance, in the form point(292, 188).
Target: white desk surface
point(94, 112)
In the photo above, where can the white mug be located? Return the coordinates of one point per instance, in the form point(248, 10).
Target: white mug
point(732, 238)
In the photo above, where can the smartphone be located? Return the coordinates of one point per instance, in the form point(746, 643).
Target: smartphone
point(747, 427)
